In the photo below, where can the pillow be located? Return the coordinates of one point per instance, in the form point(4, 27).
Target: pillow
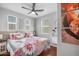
point(16, 36)
point(12, 36)
point(27, 35)
point(19, 35)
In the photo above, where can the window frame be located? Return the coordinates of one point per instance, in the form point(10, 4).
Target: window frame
point(11, 23)
point(43, 26)
point(29, 24)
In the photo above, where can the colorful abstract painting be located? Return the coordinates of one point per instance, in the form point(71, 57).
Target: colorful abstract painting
point(70, 22)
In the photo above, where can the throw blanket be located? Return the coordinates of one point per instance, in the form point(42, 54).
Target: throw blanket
point(27, 46)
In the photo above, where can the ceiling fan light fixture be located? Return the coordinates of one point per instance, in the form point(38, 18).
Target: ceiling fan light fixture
point(33, 13)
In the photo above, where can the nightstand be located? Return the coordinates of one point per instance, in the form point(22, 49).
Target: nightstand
point(3, 47)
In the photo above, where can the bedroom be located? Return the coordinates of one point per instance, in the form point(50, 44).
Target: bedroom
point(21, 20)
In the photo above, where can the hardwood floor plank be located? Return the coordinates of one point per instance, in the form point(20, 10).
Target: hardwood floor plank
point(52, 51)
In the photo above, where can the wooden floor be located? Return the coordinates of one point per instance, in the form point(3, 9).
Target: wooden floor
point(52, 51)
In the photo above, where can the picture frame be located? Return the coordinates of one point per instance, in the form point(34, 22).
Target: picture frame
point(70, 23)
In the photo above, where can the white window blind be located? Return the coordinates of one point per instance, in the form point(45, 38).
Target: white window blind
point(12, 23)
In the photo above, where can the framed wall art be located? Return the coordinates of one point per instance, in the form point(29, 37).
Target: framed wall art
point(70, 23)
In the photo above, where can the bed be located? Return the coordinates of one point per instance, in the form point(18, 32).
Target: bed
point(30, 46)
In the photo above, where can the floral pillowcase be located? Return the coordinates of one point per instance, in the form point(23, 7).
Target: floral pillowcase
point(27, 35)
point(15, 36)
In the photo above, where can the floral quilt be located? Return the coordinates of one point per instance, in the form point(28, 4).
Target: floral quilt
point(27, 46)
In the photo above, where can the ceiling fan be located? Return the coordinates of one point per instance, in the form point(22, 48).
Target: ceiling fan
point(33, 10)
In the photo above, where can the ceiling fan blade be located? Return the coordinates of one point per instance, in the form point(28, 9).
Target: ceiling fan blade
point(29, 12)
point(39, 10)
point(36, 13)
point(26, 8)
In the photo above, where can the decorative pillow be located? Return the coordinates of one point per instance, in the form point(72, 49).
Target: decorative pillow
point(16, 36)
point(27, 35)
point(19, 35)
point(11, 36)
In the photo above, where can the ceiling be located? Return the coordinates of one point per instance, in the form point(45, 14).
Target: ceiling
point(48, 8)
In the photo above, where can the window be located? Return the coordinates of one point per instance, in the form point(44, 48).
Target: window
point(45, 27)
point(12, 23)
point(28, 26)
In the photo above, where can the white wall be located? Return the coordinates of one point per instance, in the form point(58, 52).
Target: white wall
point(0, 21)
point(20, 17)
point(65, 49)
